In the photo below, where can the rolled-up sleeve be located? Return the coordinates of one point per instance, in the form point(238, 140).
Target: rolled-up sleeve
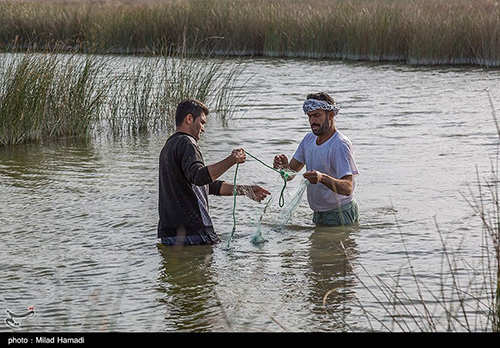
point(214, 187)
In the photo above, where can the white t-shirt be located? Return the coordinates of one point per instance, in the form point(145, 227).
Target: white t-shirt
point(335, 158)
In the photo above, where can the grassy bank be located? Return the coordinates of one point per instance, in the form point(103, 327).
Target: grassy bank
point(416, 32)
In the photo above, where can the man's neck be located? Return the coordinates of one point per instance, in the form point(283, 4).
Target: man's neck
point(182, 130)
point(324, 137)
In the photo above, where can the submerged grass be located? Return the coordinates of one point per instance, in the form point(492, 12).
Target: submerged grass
point(413, 31)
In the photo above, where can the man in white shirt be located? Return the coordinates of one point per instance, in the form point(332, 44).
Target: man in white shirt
point(331, 168)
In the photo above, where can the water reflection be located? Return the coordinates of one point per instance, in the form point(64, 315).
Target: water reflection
point(187, 283)
point(42, 185)
point(36, 165)
point(332, 249)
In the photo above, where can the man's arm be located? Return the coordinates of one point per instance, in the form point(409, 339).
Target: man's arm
point(342, 186)
point(254, 192)
point(281, 162)
point(217, 169)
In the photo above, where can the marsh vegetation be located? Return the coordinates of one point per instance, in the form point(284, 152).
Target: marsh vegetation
point(411, 31)
point(57, 95)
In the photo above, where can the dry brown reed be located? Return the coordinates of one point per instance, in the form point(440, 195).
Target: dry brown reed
point(417, 32)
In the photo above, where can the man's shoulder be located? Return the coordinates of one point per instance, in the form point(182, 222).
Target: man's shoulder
point(180, 135)
point(308, 138)
point(343, 138)
point(180, 138)
point(178, 143)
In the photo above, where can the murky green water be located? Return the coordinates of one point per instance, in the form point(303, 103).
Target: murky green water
point(78, 218)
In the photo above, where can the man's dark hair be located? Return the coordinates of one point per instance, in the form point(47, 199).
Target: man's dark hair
point(321, 96)
point(189, 106)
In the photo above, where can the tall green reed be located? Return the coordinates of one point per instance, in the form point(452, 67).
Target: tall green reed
point(46, 96)
point(54, 95)
point(146, 90)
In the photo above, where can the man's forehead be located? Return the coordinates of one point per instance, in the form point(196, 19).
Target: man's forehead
point(316, 112)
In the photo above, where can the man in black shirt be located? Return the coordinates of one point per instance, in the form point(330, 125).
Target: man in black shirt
point(185, 181)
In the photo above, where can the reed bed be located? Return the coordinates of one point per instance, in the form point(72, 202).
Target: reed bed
point(57, 95)
point(43, 96)
point(411, 31)
point(146, 90)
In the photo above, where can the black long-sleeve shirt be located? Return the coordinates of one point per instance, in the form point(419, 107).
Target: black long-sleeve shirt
point(184, 186)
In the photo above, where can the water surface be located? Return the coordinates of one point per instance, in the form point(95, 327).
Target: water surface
point(78, 218)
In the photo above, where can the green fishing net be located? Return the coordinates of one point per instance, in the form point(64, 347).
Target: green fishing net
point(287, 209)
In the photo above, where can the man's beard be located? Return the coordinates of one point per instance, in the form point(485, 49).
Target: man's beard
point(322, 128)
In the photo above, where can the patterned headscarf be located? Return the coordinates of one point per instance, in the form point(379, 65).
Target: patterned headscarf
point(315, 104)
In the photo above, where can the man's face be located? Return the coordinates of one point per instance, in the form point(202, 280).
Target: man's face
point(198, 126)
point(319, 122)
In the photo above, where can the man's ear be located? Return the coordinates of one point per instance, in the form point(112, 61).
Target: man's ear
point(189, 119)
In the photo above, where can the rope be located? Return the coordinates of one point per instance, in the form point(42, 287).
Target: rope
point(234, 202)
point(284, 175)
